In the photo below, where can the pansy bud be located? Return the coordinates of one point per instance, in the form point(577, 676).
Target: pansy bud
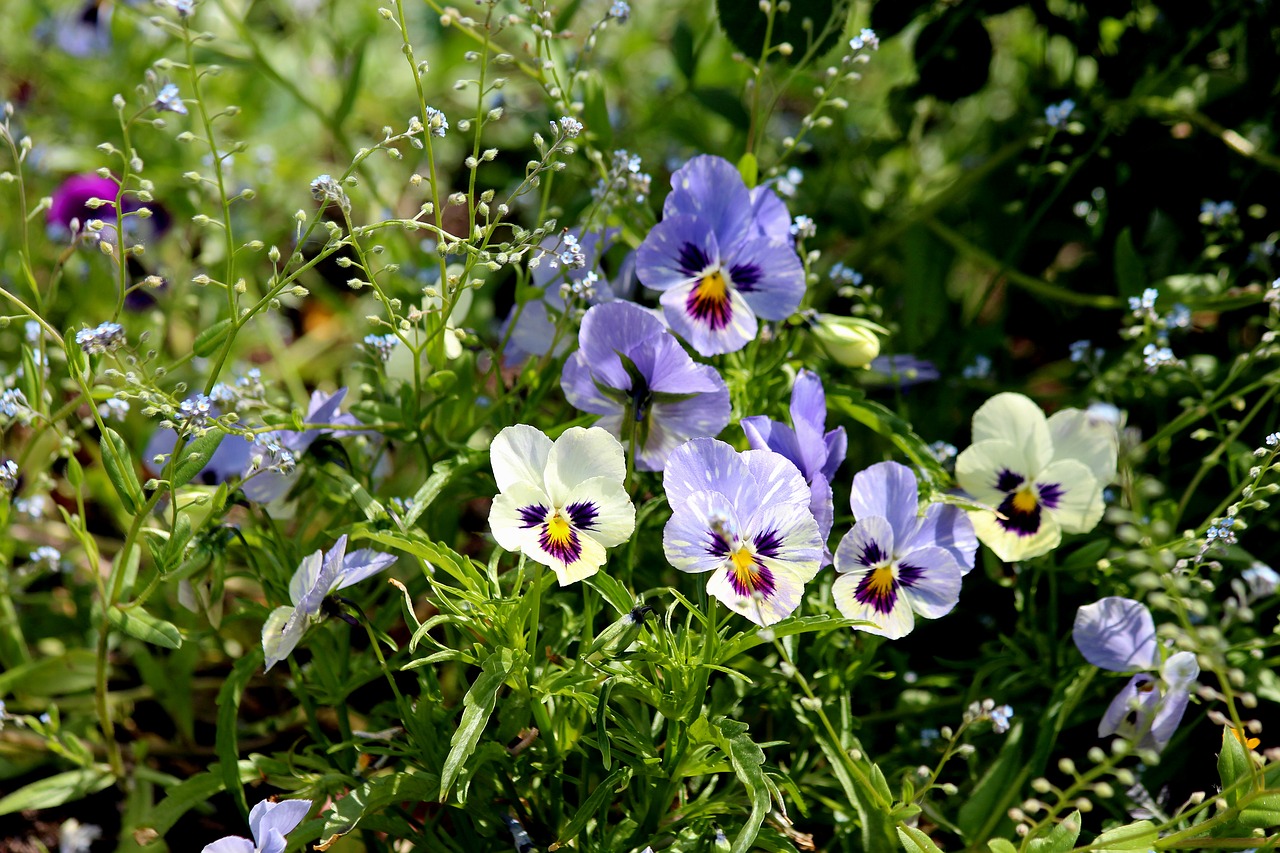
point(851, 341)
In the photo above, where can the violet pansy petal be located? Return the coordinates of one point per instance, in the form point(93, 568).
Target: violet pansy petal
point(772, 219)
point(837, 444)
point(809, 415)
point(705, 464)
point(712, 189)
point(1168, 715)
point(610, 329)
point(768, 274)
point(1117, 634)
point(700, 536)
point(675, 252)
point(582, 390)
point(777, 478)
point(305, 577)
point(1139, 697)
point(362, 564)
point(931, 580)
point(947, 527)
point(670, 370)
point(889, 490)
point(282, 817)
point(721, 324)
point(766, 434)
point(673, 423)
point(868, 545)
point(822, 505)
point(230, 844)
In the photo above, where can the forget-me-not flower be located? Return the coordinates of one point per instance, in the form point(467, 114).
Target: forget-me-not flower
point(1118, 634)
point(745, 519)
point(722, 255)
point(319, 574)
point(561, 503)
point(647, 389)
point(807, 444)
point(270, 823)
point(894, 562)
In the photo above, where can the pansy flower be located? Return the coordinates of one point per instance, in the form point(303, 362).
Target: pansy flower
point(561, 503)
point(745, 519)
point(319, 574)
point(269, 823)
point(646, 388)
point(717, 259)
point(1043, 476)
point(807, 444)
point(1119, 635)
point(895, 564)
point(264, 481)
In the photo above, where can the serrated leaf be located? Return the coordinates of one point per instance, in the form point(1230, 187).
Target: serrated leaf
point(141, 625)
point(1135, 836)
point(118, 463)
point(209, 340)
point(915, 841)
point(195, 455)
point(1060, 839)
point(57, 790)
point(478, 705)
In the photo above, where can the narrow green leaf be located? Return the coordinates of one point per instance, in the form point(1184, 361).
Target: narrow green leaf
point(120, 470)
point(915, 841)
point(477, 705)
point(374, 797)
point(58, 789)
point(749, 168)
point(883, 421)
point(1136, 836)
point(141, 625)
point(73, 672)
point(196, 455)
point(186, 795)
point(591, 805)
point(442, 474)
point(27, 381)
point(1060, 839)
point(351, 89)
point(208, 340)
point(602, 724)
point(77, 362)
point(227, 742)
point(1233, 767)
point(75, 472)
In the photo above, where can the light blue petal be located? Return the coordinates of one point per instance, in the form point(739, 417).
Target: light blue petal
point(888, 490)
point(1116, 634)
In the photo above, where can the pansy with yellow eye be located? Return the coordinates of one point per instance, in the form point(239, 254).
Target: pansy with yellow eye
point(1042, 475)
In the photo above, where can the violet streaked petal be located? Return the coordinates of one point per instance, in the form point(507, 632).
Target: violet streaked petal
point(857, 596)
point(705, 464)
point(888, 490)
point(822, 505)
point(362, 564)
point(230, 844)
point(670, 370)
point(1117, 634)
point(719, 323)
point(787, 533)
point(672, 249)
point(283, 817)
point(868, 545)
point(1131, 712)
point(581, 389)
point(930, 578)
point(712, 189)
point(1168, 715)
point(772, 219)
point(673, 423)
point(700, 536)
point(988, 470)
point(613, 328)
point(809, 415)
point(777, 478)
point(769, 275)
point(837, 443)
point(766, 434)
point(947, 527)
point(1012, 541)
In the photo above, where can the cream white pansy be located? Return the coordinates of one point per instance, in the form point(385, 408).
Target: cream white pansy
point(1043, 475)
point(562, 503)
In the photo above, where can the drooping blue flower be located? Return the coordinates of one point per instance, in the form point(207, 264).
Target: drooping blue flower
point(745, 519)
point(642, 383)
point(269, 823)
point(806, 444)
point(894, 562)
point(902, 370)
point(319, 574)
point(1118, 634)
point(270, 473)
point(722, 255)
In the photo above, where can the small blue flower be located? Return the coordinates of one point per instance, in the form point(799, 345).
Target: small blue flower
point(1056, 115)
point(1217, 213)
point(1156, 356)
point(44, 558)
point(381, 345)
point(169, 100)
point(8, 476)
point(620, 11)
point(1000, 717)
point(867, 39)
point(979, 369)
point(105, 337)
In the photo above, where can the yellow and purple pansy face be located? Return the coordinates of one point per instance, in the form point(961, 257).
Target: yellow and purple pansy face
point(561, 503)
point(1042, 476)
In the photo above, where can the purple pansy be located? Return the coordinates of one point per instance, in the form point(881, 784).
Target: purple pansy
point(70, 203)
point(1118, 634)
point(719, 258)
point(269, 823)
point(642, 383)
point(743, 517)
point(264, 481)
point(895, 562)
point(319, 574)
point(816, 452)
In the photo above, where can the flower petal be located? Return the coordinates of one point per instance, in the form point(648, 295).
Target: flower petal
point(613, 328)
point(281, 633)
point(705, 464)
point(589, 561)
point(770, 213)
point(1088, 439)
point(306, 577)
point(766, 434)
point(1117, 634)
point(888, 490)
point(579, 455)
point(601, 509)
point(1011, 544)
point(947, 527)
point(1168, 715)
point(990, 470)
point(930, 580)
point(868, 545)
point(1068, 490)
point(768, 274)
point(896, 623)
point(362, 564)
point(786, 533)
point(699, 535)
point(675, 252)
point(711, 188)
point(776, 478)
point(712, 324)
point(786, 591)
point(1016, 419)
point(581, 389)
point(283, 816)
point(1131, 712)
point(230, 844)
point(519, 455)
point(516, 514)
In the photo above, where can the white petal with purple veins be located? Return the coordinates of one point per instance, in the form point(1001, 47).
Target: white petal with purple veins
point(700, 536)
point(1068, 490)
point(600, 508)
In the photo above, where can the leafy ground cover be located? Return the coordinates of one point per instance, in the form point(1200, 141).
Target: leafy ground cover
point(678, 427)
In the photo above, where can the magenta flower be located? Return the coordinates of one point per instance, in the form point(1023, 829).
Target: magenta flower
point(745, 519)
point(642, 383)
point(719, 258)
point(808, 446)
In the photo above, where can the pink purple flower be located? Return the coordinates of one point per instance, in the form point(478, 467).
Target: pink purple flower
point(722, 255)
point(745, 519)
point(807, 444)
point(642, 383)
point(895, 564)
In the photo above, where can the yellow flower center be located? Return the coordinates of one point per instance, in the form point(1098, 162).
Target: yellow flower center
point(558, 530)
point(744, 568)
point(880, 584)
point(1025, 501)
point(713, 287)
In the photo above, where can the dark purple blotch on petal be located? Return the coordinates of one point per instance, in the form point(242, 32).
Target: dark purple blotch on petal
point(872, 554)
point(1051, 494)
point(745, 277)
point(909, 575)
point(567, 549)
point(1023, 522)
point(709, 303)
point(1008, 481)
point(531, 516)
point(747, 582)
point(719, 546)
point(583, 514)
point(873, 592)
point(768, 544)
point(693, 259)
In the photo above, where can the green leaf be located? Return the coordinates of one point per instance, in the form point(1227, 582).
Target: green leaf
point(1262, 812)
point(595, 109)
point(27, 381)
point(590, 807)
point(374, 797)
point(442, 474)
point(1060, 839)
point(77, 362)
point(208, 340)
point(196, 455)
point(75, 472)
point(1136, 836)
point(915, 841)
point(886, 423)
point(1233, 767)
point(1131, 278)
point(748, 765)
point(73, 672)
point(141, 625)
point(57, 790)
point(352, 88)
point(749, 168)
point(725, 103)
point(120, 470)
point(477, 706)
point(683, 50)
point(226, 743)
point(185, 796)
point(999, 845)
